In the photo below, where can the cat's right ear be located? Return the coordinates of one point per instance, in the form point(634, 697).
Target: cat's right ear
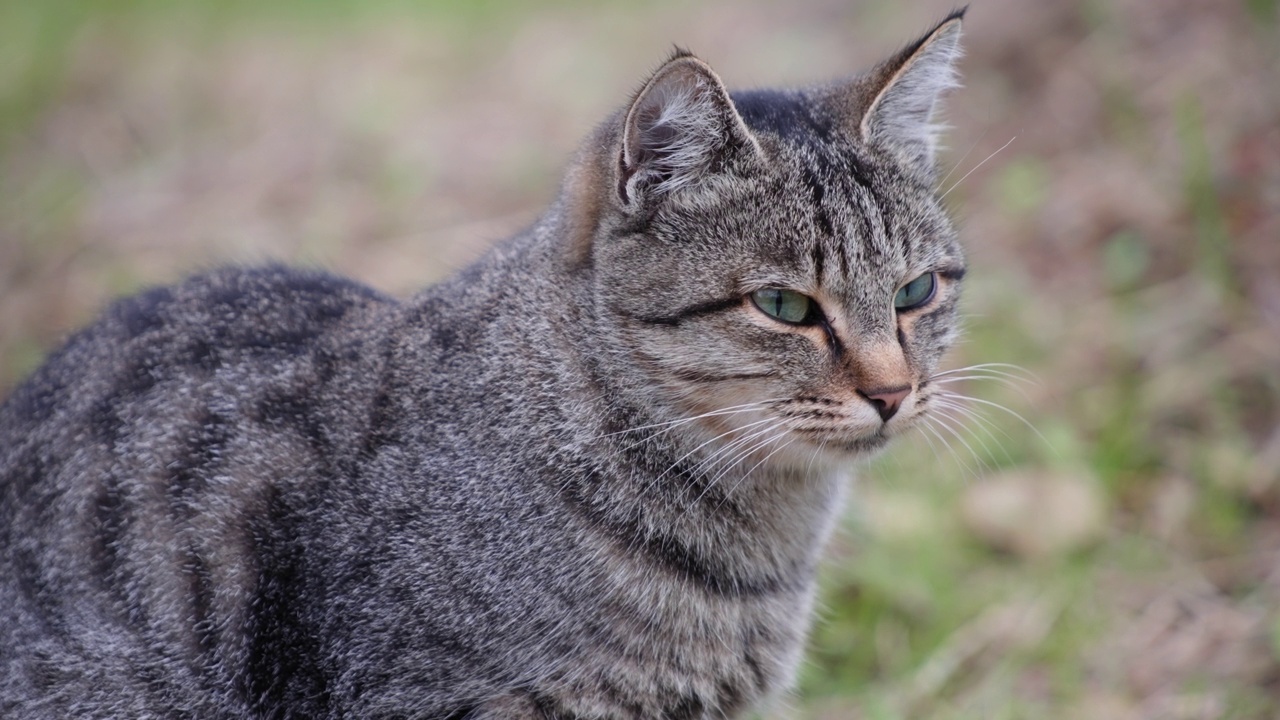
point(680, 128)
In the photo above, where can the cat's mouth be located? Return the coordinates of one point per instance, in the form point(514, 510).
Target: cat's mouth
point(794, 432)
point(841, 431)
point(809, 451)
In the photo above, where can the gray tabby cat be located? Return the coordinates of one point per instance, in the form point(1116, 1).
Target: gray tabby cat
point(589, 477)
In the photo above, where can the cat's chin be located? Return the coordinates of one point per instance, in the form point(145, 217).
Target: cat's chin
point(830, 450)
point(861, 448)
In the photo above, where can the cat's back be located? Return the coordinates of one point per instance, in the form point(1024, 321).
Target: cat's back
point(169, 435)
point(214, 343)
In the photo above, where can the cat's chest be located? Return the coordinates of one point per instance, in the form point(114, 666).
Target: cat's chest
point(661, 647)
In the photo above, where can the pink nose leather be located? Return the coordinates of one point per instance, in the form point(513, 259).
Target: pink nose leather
point(887, 400)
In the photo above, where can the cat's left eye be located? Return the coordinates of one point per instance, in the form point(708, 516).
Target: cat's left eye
point(915, 293)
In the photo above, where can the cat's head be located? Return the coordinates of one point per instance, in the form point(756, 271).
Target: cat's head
point(777, 262)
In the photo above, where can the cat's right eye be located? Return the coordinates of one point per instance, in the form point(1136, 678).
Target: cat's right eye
point(788, 306)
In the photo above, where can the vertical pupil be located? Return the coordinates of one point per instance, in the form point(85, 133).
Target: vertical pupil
point(915, 293)
point(785, 305)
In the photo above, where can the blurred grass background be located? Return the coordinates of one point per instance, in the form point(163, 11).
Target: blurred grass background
point(1116, 556)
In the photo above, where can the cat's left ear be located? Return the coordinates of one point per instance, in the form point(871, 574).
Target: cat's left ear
point(680, 129)
point(899, 99)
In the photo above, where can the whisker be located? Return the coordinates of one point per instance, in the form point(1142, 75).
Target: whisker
point(710, 462)
point(744, 451)
point(998, 406)
point(961, 378)
point(676, 464)
point(958, 420)
point(960, 415)
point(731, 410)
point(960, 162)
point(658, 478)
point(941, 423)
point(737, 459)
point(928, 423)
point(1009, 370)
point(975, 167)
point(945, 401)
point(1006, 382)
point(933, 448)
point(747, 474)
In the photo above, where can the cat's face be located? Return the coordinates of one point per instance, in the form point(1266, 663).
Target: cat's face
point(779, 268)
point(792, 320)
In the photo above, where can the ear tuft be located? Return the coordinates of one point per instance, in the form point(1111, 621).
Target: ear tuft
point(679, 125)
point(903, 110)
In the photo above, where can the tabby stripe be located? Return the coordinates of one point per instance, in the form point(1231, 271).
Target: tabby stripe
point(818, 191)
point(833, 340)
point(551, 709)
point(695, 376)
point(692, 311)
point(204, 624)
point(111, 520)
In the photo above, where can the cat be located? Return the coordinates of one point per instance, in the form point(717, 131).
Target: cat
point(590, 476)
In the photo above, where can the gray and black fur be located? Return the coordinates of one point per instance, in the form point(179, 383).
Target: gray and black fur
point(586, 478)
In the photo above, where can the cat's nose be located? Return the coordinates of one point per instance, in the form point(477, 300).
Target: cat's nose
point(887, 400)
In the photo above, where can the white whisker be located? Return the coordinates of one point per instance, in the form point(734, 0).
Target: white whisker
point(961, 414)
point(1009, 370)
point(960, 162)
point(993, 369)
point(998, 406)
point(929, 423)
point(710, 463)
point(988, 425)
point(676, 464)
point(955, 424)
point(731, 410)
point(933, 448)
point(975, 167)
point(739, 458)
point(948, 422)
point(747, 474)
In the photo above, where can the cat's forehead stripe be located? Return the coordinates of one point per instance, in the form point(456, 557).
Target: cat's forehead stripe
point(852, 223)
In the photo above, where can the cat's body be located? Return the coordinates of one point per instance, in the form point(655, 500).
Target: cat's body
point(589, 477)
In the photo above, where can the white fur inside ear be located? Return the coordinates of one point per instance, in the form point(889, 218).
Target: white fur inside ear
point(905, 112)
point(678, 129)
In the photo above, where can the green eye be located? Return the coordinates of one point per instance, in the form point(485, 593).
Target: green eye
point(915, 293)
point(788, 306)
